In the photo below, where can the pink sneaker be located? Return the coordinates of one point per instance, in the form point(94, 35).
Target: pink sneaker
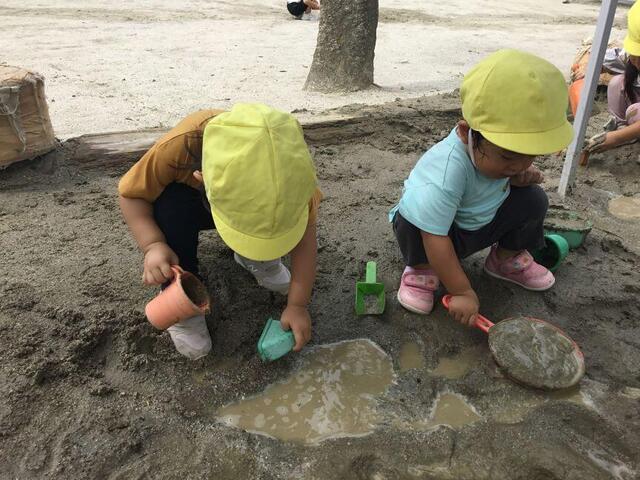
point(520, 269)
point(416, 290)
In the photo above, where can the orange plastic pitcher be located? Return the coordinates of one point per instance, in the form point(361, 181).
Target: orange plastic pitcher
point(184, 298)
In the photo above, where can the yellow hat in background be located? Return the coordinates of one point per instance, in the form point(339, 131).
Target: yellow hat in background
point(259, 179)
point(632, 40)
point(518, 101)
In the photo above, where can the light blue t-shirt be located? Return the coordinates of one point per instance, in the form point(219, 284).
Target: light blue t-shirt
point(445, 187)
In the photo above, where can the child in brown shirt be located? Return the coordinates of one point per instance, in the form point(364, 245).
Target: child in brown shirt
point(247, 173)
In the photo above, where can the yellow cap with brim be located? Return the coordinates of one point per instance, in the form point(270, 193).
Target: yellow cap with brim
point(632, 40)
point(517, 101)
point(259, 179)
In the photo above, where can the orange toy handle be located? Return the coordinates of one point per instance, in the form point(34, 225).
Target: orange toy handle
point(483, 323)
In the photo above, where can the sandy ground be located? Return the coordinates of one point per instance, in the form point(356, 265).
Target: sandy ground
point(91, 390)
point(127, 65)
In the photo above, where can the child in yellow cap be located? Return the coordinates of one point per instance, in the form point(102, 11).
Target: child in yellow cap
point(477, 187)
point(623, 92)
point(248, 174)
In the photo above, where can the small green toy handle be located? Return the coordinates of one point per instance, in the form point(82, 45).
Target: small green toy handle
point(371, 272)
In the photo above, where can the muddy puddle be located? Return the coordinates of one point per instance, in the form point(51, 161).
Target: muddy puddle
point(517, 407)
point(331, 394)
point(574, 394)
point(626, 208)
point(410, 357)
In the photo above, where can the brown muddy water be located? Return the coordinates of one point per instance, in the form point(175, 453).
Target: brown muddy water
point(331, 394)
point(411, 357)
point(626, 208)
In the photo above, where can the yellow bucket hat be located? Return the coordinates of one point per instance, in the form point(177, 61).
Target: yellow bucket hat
point(259, 179)
point(517, 101)
point(632, 40)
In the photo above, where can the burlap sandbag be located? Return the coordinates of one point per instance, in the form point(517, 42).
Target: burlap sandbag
point(25, 126)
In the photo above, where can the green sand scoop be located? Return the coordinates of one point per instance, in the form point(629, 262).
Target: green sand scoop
point(370, 299)
point(274, 341)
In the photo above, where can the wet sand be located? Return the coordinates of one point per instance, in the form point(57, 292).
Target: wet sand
point(91, 390)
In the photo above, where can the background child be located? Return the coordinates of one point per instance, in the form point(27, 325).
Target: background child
point(623, 92)
point(298, 8)
point(261, 196)
point(476, 188)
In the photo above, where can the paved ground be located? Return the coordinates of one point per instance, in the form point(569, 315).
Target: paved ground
point(123, 66)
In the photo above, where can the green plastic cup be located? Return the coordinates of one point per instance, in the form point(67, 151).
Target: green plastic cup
point(553, 253)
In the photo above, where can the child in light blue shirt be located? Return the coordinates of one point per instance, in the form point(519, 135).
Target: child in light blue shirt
point(445, 186)
point(477, 188)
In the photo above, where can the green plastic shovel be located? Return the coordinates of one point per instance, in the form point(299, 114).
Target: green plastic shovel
point(370, 299)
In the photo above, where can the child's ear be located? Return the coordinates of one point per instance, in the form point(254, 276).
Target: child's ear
point(463, 131)
point(198, 176)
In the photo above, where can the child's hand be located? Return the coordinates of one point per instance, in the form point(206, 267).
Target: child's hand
point(298, 320)
point(465, 307)
point(605, 141)
point(599, 143)
point(529, 177)
point(158, 259)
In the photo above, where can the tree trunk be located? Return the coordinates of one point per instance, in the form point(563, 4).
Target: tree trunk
point(343, 60)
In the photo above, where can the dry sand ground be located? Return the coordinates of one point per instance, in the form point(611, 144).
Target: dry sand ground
point(115, 66)
point(90, 390)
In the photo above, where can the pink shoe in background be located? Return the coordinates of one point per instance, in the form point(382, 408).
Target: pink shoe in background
point(416, 290)
point(520, 269)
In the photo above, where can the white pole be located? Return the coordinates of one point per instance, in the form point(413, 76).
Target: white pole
point(598, 48)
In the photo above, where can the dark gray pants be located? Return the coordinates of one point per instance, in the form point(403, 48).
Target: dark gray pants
point(518, 225)
point(181, 215)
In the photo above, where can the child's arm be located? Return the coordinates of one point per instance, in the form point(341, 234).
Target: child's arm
point(616, 138)
point(443, 260)
point(158, 256)
point(303, 275)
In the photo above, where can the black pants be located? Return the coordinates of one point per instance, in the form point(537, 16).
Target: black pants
point(518, 225)
point(296, 8)
point(181, 214)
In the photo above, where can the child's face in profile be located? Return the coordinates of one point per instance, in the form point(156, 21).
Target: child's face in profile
point(496, 162)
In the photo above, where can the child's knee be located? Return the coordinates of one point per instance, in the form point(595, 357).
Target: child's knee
point(537, 201)
point(632, 115)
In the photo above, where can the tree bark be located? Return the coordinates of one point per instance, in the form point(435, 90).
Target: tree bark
point(343, 60)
